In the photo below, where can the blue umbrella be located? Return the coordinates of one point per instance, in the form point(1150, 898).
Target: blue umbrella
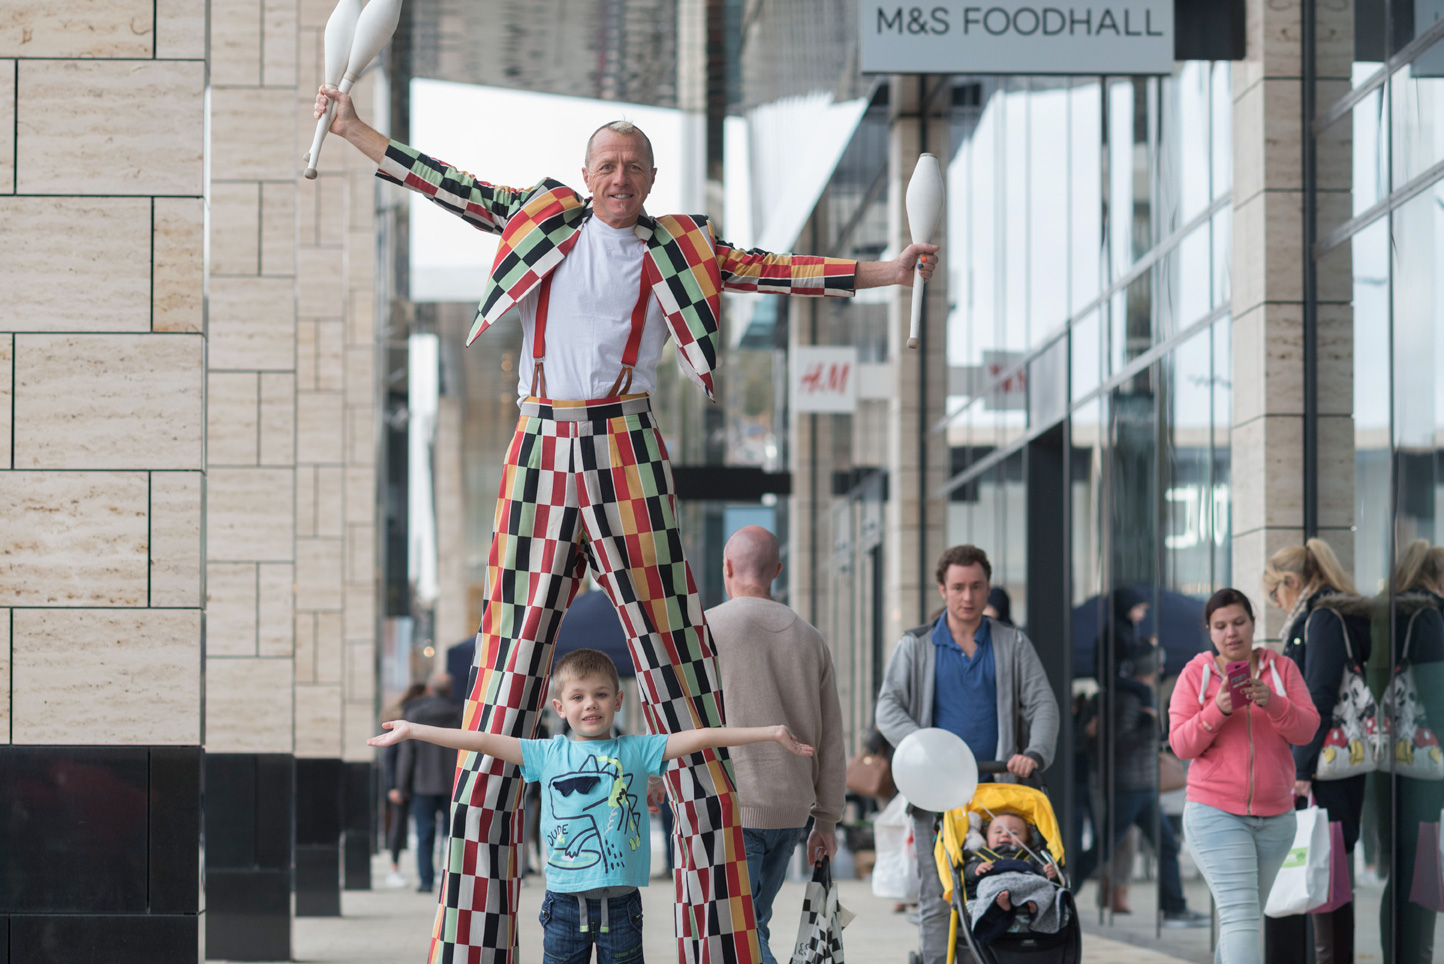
point(591, 622)
point(1174, 617)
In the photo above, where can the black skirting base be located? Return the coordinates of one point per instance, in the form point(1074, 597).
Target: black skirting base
point(320, 807)
point(118, 939)
point(359, 839)
point(101, 854)
point(250, 833)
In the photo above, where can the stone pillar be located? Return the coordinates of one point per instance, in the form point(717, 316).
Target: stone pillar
point(102, 478)
point(335, 495)
point(251, 456)
point(1268, 308)
point(915, 520)
point(290, 517)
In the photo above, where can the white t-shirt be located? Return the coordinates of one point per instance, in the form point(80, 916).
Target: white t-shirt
point(589, 319)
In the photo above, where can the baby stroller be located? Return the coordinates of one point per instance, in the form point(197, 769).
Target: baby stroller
point(1020, 945)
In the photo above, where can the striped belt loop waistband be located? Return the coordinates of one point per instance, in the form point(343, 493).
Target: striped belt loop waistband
point(596, 410)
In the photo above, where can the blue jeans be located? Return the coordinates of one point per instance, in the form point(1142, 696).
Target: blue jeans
point(427, 808)
point(565, 940)
point(768, 852)
point(1239, 857)
point(1139, 807)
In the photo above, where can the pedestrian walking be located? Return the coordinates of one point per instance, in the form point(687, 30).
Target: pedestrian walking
point(1239, 818)
point(982, 680)
point(775, 666)
point(424, 774)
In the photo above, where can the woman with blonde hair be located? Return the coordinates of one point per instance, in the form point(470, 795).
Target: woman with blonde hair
point(1419, 626)
point(1327, 623)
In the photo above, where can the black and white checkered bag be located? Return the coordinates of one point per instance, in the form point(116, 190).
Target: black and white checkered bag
point(819, 934)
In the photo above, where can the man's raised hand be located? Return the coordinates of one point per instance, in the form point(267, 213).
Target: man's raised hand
point(400, 730)
point(345, 110)
point(920, 256)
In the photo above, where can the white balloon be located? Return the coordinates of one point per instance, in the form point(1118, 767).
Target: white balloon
point(935, 770)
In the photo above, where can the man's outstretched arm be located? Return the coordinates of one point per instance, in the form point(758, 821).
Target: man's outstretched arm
point(486, 207)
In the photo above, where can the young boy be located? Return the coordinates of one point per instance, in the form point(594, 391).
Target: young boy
point(596, 837)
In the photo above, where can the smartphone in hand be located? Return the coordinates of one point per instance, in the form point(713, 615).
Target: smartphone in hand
point(1236, 676)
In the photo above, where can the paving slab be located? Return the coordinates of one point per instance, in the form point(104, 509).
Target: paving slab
point(393, 926)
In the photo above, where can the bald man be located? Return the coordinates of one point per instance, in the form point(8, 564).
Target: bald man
point(775, 667)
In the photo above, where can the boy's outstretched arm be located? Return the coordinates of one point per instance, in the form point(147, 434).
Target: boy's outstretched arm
point(690, 741)
point(506, 748)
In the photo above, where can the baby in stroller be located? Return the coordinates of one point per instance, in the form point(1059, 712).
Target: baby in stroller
point(1008, 869)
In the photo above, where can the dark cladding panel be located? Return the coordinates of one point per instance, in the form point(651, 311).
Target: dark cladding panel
point(1209, 29)
point(175, 830)
point(249, 915)
point(121, 939)
point(319, 801)
point(230, 810)
point(275, 810)
point(76, 831)
point(318, 881)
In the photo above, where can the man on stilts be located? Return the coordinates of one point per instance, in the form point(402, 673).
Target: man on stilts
point(600, 286)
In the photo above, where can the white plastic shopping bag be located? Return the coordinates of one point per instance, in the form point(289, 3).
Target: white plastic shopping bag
point(1303, 881)
point(895, 873)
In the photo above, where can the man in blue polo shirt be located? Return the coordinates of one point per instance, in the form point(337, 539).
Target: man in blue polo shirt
point(982, 680)
point(966, 676)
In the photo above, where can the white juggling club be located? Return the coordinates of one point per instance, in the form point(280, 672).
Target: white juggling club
point(354, 36)
point(925, 211)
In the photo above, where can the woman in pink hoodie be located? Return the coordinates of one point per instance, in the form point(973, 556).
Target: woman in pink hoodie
point(1239, 818)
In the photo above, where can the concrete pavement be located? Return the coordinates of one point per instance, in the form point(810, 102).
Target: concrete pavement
point(384, 926)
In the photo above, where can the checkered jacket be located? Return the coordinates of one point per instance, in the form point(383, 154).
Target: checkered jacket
point(539, 225)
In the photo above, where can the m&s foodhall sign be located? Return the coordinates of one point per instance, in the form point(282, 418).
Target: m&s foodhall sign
point(1017, 37)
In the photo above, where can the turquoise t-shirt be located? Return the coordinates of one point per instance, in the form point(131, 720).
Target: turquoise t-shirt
point(595, 831)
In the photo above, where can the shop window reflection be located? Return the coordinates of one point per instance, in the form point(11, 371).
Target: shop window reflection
point(1416, 94)
point(1085, 178)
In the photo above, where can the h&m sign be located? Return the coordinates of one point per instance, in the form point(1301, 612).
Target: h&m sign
point(1017, 37)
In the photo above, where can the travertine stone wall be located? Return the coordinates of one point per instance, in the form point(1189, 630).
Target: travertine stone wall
point(1268, 296)
point(915, 520)
point(102, 381)
point(338, 430)
point(251, 420)
point(291, 513)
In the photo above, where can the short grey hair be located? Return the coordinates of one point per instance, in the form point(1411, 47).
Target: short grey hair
point(627, 128)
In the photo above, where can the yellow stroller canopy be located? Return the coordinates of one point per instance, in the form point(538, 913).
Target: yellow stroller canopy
point(1030, 804)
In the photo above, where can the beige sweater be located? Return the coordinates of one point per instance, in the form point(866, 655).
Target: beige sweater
point(775, 668)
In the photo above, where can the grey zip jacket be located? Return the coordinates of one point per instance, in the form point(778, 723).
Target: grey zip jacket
point(906, 700)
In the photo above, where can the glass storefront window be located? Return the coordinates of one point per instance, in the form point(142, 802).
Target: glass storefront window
point(1365, 260)
point(1184, 159)
point(1222, 274)
point(1418, 354)
point(1013, 172)
point(1188, 495)
point(1184, 276)
point(1048, 385)
point(1222, 505)
point(1086, 356)
point(1222, 127)
point(1085, 198)
point(1417, 104)
point(1047, 202)
point(1129, 187)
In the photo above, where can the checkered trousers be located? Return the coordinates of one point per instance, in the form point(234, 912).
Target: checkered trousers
point(591, 479)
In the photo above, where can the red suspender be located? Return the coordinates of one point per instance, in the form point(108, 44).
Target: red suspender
point(629, 354)
point(539, 337)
